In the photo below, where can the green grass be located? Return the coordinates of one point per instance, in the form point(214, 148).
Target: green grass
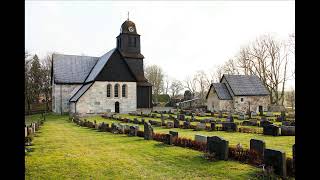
point(283, 143)
point(62, 150)
point(31, 118)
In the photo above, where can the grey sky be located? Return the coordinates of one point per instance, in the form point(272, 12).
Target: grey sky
point(181, 37)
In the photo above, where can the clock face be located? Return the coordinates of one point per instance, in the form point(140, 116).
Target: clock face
point(131, 29)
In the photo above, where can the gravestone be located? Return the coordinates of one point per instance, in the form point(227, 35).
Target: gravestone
point(174, 135)
point(176, 123)
point(170, 124)
point(263, 118)
point(288, 130)
point(201, 126)
point(135, 121)
point(33, 125)
point(142, 121)
point(265, 123)
point(253, 114)
point(271, 130)
point(229, 126)
point(213, 126)
point(200, 138)
point(202, 114)
point(258, 146)
point(96, 126)
point(269, 114)
point(133, 130)
point(169, 139)
point(181, 117)
point(277, 160)
point(192, 118)
point(286, 123)
point(230, 118)
point(25, 131)
point(283, 115)
point(186, 125)
point(115, 128)
point(242, 116)
point(30, 131)
point(219, 147)
point(103, 127)
point(162, 120)
point(148, 131)
point(220, 114)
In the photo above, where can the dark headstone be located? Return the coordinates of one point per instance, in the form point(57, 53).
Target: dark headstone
point(133, 130)
point(277, 160)
point(271, 130)
point(230, 118)
point(174, 134)
point(142, 121)
point(135, 121)
point(257, 146)
point(283, 115)
point(192, 118)
point(181, 117)
point(229, 126)
point(103, 127)
point(169, 139)
point(176, 123)
point(265, 123)
point(288, 130)
point(218, 146)
point(148, 131)
point(186, 124)
point(213, 126)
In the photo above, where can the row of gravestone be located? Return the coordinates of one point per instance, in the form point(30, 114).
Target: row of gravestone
point(216, 145)
point(271, 158)
point(275, 130)
point(32, 129)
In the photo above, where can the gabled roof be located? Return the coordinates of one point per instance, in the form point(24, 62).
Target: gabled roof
point(222, 91)
point(80, 92)
point(99, 66)
point(245, 85)
point(72, 69)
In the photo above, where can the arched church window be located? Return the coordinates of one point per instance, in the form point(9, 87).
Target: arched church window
point(109, 90)
point(124, 90)
point(116, 90)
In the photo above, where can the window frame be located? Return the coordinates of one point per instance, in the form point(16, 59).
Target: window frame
point(116, 87)
point(110, 92)
point(125, 91)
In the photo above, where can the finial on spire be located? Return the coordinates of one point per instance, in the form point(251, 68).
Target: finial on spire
point(128, 15)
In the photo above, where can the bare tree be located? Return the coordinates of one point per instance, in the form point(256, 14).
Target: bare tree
point(175, 88)
point(155, 75)
point(203, 84)
point(46, 74)
point(190, 83)
point(230, 67)
point(166, 85)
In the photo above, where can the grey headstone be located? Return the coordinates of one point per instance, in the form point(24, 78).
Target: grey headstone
point(133, 130)
point(25, 132)
point(201, 126)
point(174, 134)
point(277, 160)
point(258, 146)
point(218, 146)
point(200, 138)
point(148, 131)
point(170, 124)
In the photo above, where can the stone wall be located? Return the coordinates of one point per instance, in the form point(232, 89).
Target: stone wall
point(214, 103)
point(255, 102)
point(95, 100)
point(61, 95)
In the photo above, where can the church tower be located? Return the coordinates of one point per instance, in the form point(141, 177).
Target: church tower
point(128, 41)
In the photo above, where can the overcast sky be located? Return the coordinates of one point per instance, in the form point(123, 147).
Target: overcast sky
point(181, 37)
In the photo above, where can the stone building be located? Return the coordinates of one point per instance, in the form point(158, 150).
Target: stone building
point(114, 82)
point(238, 93)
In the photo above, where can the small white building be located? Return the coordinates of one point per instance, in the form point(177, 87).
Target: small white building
point(238, 93)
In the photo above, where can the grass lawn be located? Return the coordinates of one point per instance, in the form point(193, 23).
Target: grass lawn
point(62, 150)
point(278, 142)
point(31, 118)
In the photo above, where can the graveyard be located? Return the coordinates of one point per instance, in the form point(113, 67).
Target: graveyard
point(62, 150)
point(75, 147)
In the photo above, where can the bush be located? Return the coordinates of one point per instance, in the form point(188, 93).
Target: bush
point(159, 137)
point(186, 142)
point(245, 155)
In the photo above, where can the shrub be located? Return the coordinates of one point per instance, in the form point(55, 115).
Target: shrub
point(159, 137)
point(140, 134)
point(186, 142)
point(245, 155)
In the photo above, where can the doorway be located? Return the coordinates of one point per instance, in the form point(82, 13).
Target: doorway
point(116, 107)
